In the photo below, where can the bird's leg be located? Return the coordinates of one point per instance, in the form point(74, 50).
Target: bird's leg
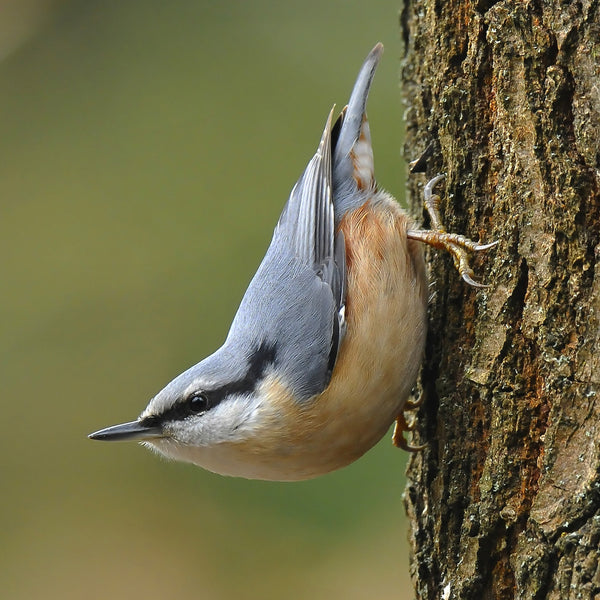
point(457, 245)
point(398, 436)
point(402, 425)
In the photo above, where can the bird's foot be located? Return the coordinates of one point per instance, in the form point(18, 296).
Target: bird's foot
point(403, 425)
point(457, 245)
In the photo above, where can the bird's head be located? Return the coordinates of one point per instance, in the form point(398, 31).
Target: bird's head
point(199, 416)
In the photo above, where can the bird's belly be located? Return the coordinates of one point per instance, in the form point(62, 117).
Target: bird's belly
point(380, 356)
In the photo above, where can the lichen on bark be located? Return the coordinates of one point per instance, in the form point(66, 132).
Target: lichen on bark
point(505, 500)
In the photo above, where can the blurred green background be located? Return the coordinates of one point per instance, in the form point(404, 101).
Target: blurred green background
point(147, 149)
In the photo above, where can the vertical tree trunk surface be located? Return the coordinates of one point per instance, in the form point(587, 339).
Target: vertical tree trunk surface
point(504, 502)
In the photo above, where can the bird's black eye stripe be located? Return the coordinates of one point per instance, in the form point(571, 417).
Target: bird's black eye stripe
point(195, 404)
point(201, 401)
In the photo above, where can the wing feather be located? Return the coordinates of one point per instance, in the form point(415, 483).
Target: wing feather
point(308, 218)
point(307, 224)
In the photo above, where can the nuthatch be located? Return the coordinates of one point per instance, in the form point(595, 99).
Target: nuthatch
point(327, 342)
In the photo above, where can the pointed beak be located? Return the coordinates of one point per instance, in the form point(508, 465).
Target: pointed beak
point(133, 431)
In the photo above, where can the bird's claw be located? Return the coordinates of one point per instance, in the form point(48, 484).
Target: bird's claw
point(401, 426)
point(457, 245)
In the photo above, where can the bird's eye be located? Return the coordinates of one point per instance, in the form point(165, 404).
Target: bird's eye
point(198, 403)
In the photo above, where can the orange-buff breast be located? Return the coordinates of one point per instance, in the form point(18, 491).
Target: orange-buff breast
point(378, 361)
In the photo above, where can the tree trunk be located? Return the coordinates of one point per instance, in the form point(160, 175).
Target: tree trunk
point(504, 502)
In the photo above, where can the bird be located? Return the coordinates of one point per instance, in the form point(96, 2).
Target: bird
point(327, 343)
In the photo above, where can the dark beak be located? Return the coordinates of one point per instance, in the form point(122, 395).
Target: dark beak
point(127, 432)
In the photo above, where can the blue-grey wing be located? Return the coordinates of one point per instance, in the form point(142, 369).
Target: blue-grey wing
point(307, 222)
point(295, 302)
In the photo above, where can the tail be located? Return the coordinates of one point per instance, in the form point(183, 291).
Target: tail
point(353, 169)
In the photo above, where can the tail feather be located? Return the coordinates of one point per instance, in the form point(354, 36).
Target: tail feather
point(353, 155)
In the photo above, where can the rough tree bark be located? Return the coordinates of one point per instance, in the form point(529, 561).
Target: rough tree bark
point(505, 500)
